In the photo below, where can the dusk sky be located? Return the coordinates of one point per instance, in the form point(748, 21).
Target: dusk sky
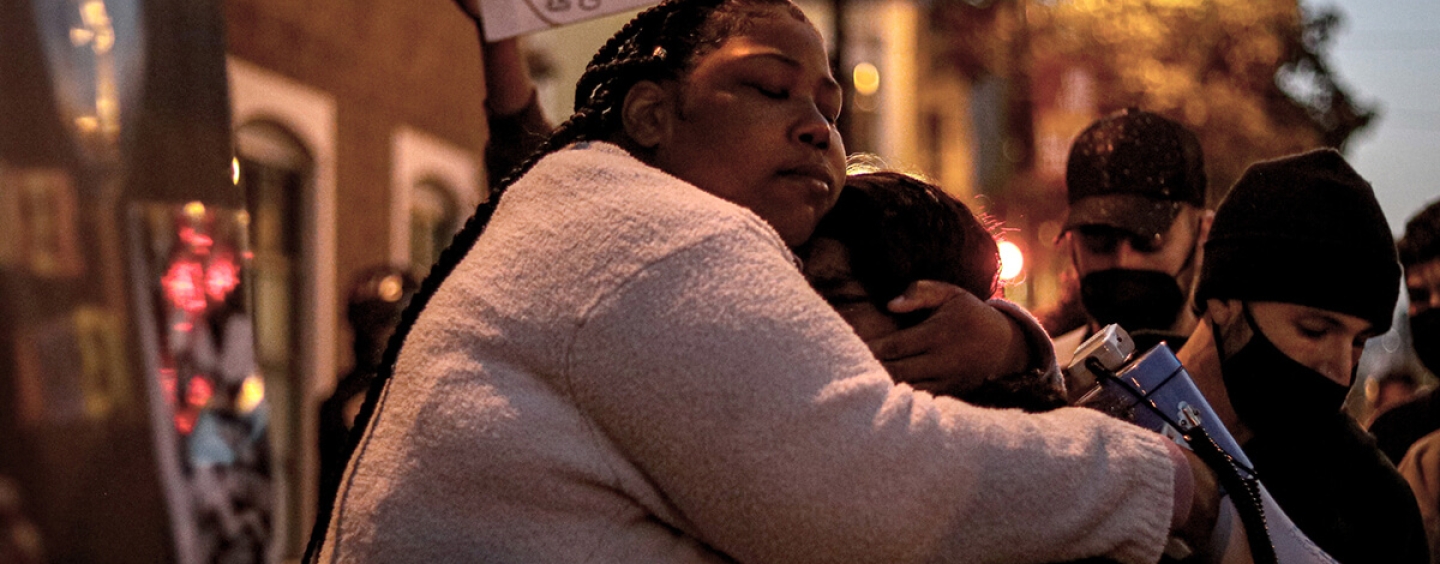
point(1388, 53)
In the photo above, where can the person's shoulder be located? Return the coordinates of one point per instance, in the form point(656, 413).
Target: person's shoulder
point(604, 182)
point(595, 199)
point(1398, 427)
point(1414, 411)
point(1426, 448)
point(1356, 449)
point(1335, 441)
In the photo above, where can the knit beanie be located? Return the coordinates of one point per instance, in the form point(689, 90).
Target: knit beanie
point(1303, 229)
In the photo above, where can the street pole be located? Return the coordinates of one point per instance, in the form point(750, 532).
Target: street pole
point(838, 64)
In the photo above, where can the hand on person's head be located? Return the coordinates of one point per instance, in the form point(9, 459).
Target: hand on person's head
point(961, 343)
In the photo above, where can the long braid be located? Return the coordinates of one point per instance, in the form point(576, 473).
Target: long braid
point(658, 43)
point(655, 44)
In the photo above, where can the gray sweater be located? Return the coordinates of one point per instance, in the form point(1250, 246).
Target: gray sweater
point(626, 369)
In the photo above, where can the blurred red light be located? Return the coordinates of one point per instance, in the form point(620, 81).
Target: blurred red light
point(185, 421)
point(199, 392)
point(199, 242)
point(182, 285)
point(221, 277)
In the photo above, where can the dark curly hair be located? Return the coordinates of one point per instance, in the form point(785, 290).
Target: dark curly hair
point(1421, 242)
point(899, 229)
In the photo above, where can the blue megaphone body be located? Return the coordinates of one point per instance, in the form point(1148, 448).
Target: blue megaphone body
point(1154, 391)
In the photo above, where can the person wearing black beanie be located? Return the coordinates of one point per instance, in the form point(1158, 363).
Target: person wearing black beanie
point(1303, 230)
point(1300, 269)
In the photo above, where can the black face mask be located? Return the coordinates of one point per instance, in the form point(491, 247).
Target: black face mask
point(1425, 335)
point(1271, 391)
point(1135, 299)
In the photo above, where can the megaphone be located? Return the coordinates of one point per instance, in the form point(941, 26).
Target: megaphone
point(1154, 391)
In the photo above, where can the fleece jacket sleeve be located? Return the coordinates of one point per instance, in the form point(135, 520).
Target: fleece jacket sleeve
point(779, 438)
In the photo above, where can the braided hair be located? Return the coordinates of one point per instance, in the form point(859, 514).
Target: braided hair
point(660, 43)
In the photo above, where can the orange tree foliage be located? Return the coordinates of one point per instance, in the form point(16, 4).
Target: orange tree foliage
point(1249, 76)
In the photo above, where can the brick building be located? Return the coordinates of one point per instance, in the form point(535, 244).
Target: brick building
point(358, 133)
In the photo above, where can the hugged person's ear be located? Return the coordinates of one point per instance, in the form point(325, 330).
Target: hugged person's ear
point(647, 113)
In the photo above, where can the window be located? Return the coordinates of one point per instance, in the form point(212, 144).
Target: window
point(275, 173)
point(434, 188)
point(433, 221)
point(286, 145)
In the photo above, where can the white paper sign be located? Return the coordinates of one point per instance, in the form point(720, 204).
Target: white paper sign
point(508, 18)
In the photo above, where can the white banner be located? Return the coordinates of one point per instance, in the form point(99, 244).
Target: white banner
point(508, 18)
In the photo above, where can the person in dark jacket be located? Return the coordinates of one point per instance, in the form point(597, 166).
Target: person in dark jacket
point(1396, 430)
point(1299, 271)
point(377, 297)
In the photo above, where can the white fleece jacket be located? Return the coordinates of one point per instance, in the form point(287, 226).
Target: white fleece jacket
point(626, 369)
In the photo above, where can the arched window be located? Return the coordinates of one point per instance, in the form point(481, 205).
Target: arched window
point(276, 172)
point(433, 222)
point(286, 140)
point(434, 187)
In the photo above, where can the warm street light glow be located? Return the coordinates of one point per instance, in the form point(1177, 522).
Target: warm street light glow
point(1012, 261)
point(252, 392)
point(866, 79)
point(194, 211)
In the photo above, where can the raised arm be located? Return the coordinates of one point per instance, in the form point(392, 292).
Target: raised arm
point(517, 123)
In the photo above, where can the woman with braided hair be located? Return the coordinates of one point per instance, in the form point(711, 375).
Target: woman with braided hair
point(618, 361)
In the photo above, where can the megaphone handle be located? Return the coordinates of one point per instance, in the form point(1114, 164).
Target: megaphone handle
point(1244, 493)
